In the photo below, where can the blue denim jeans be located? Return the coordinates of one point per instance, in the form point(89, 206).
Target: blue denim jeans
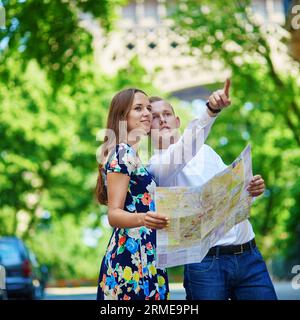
point(231, 276)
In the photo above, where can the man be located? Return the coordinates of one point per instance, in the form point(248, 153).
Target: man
point(234, 267)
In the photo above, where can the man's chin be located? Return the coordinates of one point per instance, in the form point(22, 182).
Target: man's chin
point(165, 131)
point(166, 134)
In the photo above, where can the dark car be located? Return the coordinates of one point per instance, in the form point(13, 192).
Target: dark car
point(24, 277)
point(3, 295)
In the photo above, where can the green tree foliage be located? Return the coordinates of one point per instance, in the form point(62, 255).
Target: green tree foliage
point(50, 33)
point(48, 155)
point(49, 119)
point(69, 249)
point(265, 110)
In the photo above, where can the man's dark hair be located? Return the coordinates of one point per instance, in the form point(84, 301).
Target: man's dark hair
point(156, 99)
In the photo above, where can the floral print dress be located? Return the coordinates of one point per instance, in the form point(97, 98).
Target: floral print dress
point(128, 270)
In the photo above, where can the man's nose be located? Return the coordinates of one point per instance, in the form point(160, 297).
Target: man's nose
point(162, 118)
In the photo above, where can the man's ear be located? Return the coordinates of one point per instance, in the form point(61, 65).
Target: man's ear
point(177, 122)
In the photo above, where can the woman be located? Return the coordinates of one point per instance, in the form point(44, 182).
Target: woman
point(128, 269)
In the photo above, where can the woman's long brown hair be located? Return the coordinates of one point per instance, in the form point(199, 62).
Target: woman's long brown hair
point(118, 111)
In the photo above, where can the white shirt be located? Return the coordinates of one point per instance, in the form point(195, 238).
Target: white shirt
point(198, 167)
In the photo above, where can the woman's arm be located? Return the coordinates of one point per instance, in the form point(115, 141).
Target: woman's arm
point(117, 186)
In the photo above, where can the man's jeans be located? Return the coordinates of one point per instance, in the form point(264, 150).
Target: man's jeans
point(233, 276)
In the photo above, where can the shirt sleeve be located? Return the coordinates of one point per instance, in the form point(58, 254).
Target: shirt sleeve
point(166, 164)
point(219, 162)
point(122, 160)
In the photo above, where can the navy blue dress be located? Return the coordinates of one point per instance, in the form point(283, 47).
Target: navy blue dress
point(128, 270)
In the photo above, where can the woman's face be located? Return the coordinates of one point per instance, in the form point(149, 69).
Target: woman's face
point(139, 118)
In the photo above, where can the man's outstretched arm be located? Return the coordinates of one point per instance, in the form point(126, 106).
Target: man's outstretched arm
point(166, 165)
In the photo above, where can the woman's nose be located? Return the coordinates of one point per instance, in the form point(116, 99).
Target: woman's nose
point(146, 112)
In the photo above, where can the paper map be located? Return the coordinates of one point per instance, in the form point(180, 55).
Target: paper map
point(200, 216)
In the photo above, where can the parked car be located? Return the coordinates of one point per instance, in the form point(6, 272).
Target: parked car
point(25, 278)
point(3, 295)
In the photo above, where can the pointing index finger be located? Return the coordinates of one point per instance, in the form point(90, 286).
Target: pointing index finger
point(227, 87)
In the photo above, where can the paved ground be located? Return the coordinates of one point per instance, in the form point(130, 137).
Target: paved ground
point(284, 291)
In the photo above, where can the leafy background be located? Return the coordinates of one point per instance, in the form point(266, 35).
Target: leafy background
point(54, 101)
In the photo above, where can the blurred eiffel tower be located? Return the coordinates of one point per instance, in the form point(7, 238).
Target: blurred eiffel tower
point(144, 30)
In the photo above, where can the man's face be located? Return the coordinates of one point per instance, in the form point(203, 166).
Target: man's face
point(164, 124)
